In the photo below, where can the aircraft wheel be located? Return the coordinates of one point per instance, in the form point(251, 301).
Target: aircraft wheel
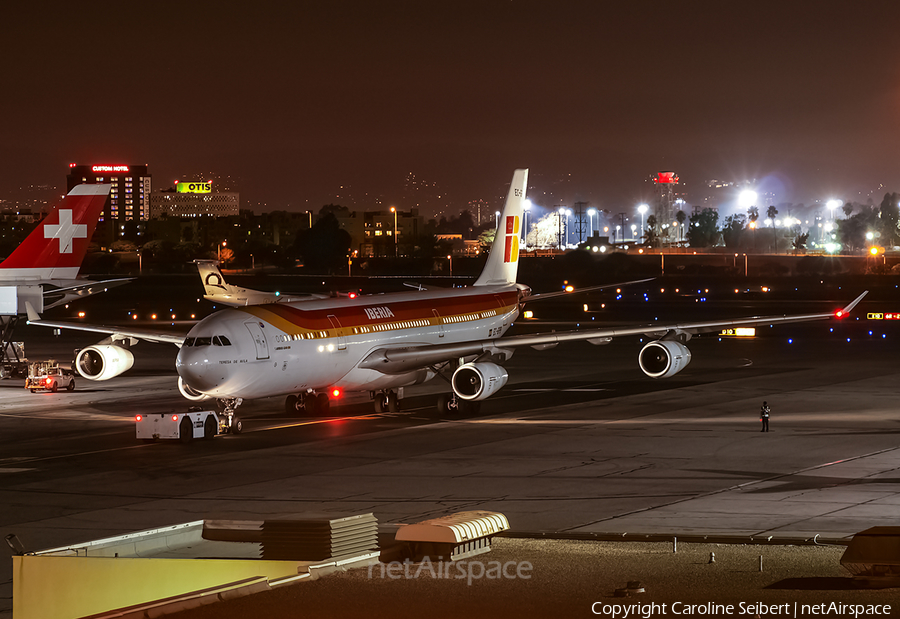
point(209, 427)
point(237, 426)
point(311, 404)
point(393, 403)
point(379, 402)
point(290, 405)
point(323, 403)
point(443, 404)
point(186, 430)
point(71, 385)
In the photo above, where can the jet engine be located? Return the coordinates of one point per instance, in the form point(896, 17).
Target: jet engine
point(477, 381)
point(663, 358)
point(190, 393)
point(103, 361)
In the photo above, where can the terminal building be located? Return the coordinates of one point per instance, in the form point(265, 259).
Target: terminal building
point(194, 199)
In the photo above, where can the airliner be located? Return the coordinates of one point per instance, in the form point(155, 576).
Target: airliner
point(312, 350)
point(43, 270)
point(217, 290)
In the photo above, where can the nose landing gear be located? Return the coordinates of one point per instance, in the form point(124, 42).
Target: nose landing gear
point(231, 423)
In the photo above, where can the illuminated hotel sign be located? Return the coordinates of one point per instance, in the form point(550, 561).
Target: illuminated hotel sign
point(109, 168)
point(193, 187)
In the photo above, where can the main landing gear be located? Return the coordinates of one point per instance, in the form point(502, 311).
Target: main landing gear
point(230, 422)
point(309, 403)
point(387, 401)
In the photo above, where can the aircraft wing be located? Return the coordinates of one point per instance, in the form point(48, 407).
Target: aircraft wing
point(541, 296)
point(115, 333)
point(404, 359)
point(58, 296)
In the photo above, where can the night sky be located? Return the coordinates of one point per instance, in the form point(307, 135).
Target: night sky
point(298, 100)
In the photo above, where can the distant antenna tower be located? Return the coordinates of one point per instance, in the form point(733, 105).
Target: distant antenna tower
point(580, 223)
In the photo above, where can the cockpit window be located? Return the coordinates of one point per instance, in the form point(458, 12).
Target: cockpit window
point(216, 341)
point(225, 340)
point(189, 341)
point(203, 341)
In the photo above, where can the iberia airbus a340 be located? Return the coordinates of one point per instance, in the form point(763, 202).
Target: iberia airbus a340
point(307, 349)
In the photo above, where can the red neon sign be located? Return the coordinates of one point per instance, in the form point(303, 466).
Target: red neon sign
point(667, 177)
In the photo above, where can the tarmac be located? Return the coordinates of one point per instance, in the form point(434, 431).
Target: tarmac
point(578, 445)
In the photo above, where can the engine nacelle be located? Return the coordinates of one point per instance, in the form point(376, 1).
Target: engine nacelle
point(477, 381)
point(190, 393)
point(663, 358)
point(103, 361)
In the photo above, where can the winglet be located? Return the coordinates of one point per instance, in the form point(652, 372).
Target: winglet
point(853, 303)
point(33, 316)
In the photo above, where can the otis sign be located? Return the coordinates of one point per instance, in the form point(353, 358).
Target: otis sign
point(193, 187)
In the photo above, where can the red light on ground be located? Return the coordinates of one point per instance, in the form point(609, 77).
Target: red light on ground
point(352, 295)
point(138, 418)
point(174, 417)
point(335, 393)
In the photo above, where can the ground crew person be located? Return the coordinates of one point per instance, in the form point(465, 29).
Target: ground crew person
point(764, 417)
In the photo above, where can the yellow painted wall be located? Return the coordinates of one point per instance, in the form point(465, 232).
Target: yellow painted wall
point(72, 587)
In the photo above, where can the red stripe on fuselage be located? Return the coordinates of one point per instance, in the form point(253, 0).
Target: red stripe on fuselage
point(355, 316)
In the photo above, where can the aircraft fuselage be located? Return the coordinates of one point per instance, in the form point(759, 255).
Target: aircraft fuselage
point(289, 348)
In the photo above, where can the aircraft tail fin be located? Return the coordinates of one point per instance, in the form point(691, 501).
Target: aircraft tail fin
point(503, 261)
point(213, 283)
point(218, 291)
point(56, 248)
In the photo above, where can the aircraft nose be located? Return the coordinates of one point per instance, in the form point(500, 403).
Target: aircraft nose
point(193, 365)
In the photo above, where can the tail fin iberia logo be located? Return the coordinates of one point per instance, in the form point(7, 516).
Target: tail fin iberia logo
point(512, 239)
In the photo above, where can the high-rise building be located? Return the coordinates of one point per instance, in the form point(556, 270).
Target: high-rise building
point(129, 197)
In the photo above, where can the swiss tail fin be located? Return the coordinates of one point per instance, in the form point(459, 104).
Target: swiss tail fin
point(503, 262)
point(56, 248)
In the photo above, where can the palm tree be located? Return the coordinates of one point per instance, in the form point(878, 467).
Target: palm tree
point(771, 212)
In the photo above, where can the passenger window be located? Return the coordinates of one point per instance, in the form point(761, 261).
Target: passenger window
point(225, 341)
